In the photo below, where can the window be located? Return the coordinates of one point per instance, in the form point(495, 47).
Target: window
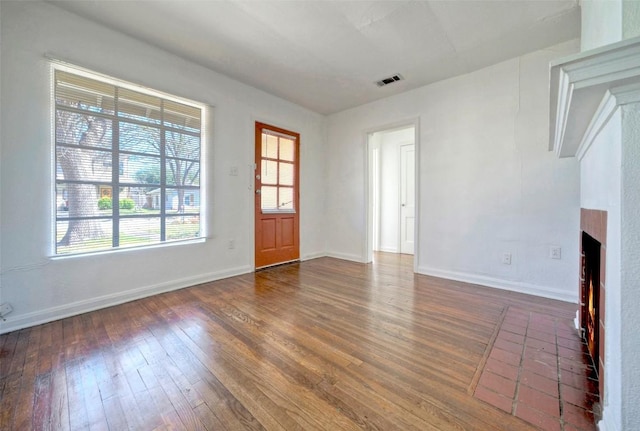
point(277, 172)
point(127, 165)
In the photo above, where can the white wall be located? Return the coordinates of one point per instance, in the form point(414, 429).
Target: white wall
point(601, 23)
point(390, 143)
point(600, 189)
point(631, 19)
point(487, 182)
point(630, 268)
point(41, 288)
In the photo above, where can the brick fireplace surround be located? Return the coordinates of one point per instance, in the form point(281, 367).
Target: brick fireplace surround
point(594, 223)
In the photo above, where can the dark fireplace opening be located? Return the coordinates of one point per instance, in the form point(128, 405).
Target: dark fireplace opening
point(591, 295)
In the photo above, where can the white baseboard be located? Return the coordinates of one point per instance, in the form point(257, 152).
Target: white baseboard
point(515, 286)
point(84, 306)
point(389, 250)
point(345, 256)
point(607, 423)
point(311, 256)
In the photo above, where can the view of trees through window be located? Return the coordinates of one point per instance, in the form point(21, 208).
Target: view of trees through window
point(127, 166)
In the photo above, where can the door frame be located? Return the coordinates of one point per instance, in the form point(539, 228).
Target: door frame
point(367, 245)
point(253, 169)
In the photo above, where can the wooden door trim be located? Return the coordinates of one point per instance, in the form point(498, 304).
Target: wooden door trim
point(259, 129)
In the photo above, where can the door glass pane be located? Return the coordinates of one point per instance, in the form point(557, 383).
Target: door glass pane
point(286, 198)
point(269, 174)
point(286, 174)
point(269, 146)
point(269, 198)
point(277, 168)
point(286, 149)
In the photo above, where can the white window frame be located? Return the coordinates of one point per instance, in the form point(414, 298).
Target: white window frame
point(56, 65)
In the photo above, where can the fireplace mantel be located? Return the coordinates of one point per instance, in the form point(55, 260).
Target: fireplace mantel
point(586, 89)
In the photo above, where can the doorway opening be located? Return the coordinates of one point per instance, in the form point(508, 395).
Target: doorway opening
point(392, 191)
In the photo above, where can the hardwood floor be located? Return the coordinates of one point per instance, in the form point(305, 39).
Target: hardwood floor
point(324, 344)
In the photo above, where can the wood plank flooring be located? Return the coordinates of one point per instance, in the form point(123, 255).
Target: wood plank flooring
point(321, 345)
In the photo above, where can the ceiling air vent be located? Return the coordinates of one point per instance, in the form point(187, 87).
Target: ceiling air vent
point(389, 80)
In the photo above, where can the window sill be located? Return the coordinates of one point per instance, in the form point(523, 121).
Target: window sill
point(128, 249)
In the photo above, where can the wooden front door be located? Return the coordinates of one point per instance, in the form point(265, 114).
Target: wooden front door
point(277, 203)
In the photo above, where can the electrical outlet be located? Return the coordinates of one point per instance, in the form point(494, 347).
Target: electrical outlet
point(233, 171)
point(506, 258)
point(231, 244)
point(5, 309)
point(555, 252)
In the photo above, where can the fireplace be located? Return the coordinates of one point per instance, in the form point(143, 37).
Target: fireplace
point(591, 294)
point(593, 224)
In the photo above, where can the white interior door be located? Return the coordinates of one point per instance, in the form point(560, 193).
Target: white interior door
point(407, 198)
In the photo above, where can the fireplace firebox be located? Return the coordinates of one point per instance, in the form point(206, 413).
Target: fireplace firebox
point(591, 294)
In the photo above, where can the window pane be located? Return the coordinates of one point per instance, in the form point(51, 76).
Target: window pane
point(153, 200)
point(138, 106)
point(181, 116)
point(182, 201)
point(269, 146)
point(182, 146)
point(286, 149)
point(286, 198)
point(269, 172)
point(130, 202)
point(143, 202)
point(98, 236)
point(105, 191)
point(82, 129)
point(286, 174)
point(140, 139)
point(140, 169)
point(269, 198)
point(82, 200)
point(192, 201)
point(62, 201)
point(83, 93)
point(183, 173)
point(183, 227)
point(139, 231)
point(82, 164)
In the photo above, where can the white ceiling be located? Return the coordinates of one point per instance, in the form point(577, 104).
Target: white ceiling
point(327, 55)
